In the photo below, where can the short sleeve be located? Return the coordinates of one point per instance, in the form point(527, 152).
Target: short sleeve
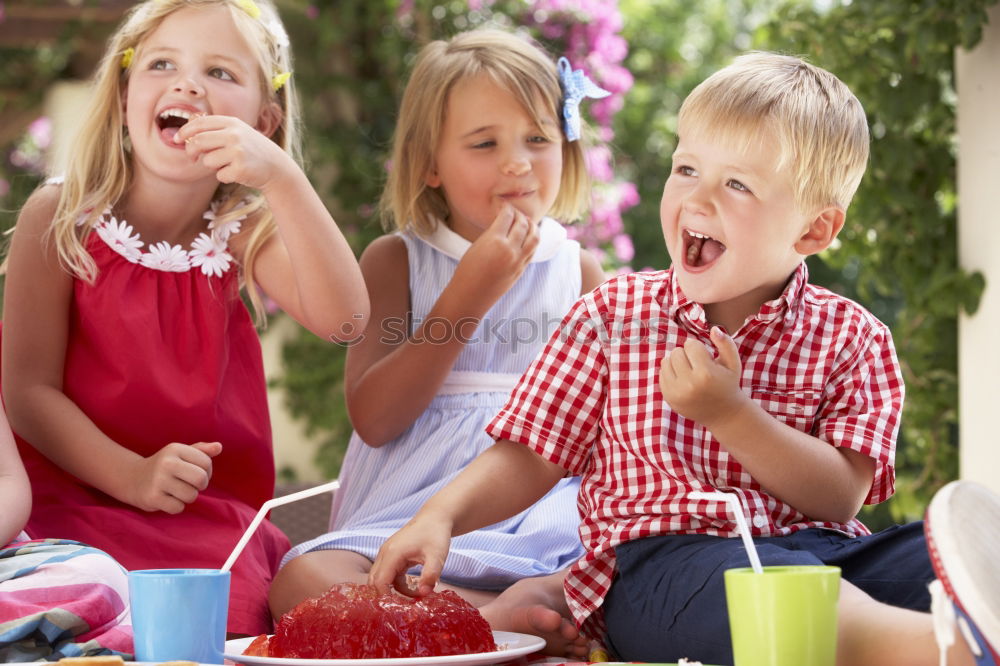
point(863, 402)
point(557, 406)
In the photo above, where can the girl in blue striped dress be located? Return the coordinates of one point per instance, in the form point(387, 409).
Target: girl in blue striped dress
point(464, 294)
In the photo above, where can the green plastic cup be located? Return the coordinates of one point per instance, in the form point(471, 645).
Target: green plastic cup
point(785, 616)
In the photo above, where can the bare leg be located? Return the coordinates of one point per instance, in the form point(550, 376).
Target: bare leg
point(870, 632)
point(534, 606)
point(538, 606)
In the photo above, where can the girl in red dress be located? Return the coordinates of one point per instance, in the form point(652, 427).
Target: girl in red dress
point(132, 369)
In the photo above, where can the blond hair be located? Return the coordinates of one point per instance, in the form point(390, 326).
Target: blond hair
point(513, 63)
point(99, 170)
point(820, 126)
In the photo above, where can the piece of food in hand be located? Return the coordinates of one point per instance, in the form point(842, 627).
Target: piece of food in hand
point(352, 621)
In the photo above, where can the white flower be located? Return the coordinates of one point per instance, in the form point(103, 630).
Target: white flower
point(225, 229)
point(166, 257)
point(277, 32)
point(118, 236)
point(210, 253)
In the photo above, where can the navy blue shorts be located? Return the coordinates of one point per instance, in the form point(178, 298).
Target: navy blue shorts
point(668, 598)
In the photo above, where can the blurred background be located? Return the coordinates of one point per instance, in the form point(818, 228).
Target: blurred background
point(923, 70)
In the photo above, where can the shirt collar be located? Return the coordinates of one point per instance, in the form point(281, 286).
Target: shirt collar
point(785, 305)
point(551, 235)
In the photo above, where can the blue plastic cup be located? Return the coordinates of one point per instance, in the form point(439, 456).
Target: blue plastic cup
point(179, 614)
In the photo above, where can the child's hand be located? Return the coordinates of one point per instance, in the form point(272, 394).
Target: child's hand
point(699, 387)
point(499, 256)
point(171, 478)
point(415, 543)
point(237, 152)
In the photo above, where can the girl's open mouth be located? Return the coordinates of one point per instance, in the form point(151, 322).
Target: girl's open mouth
point(700, 250)
point(171, 120)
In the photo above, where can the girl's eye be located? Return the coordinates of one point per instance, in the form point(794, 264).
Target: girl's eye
point(538, 139)
point(160, 64)
point(738, 186)
point(684, 170)
point(489, 143)
point(221, 74)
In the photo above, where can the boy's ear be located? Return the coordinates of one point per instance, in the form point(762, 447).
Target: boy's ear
point(269, 119)
point(822, 229)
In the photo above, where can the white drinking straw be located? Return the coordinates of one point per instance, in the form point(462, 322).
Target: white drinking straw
point(735, 508)
point(267, 506)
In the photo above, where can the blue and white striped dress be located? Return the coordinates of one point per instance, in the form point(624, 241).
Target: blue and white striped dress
point(381, 488)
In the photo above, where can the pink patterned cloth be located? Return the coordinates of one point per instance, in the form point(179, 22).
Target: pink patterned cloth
point(61, 599)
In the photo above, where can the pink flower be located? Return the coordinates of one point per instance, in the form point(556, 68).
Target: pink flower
point(40, 131)
point(624, 249)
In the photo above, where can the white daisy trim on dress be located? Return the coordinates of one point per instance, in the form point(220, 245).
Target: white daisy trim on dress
point(166, 257)
point(209, 251)
point(226, 229)
point(118, 235)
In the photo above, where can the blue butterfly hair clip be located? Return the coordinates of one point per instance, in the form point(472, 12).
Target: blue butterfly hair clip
point(576, 87)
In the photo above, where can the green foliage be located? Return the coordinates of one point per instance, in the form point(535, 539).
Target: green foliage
point(27, 73)
point(313, 382)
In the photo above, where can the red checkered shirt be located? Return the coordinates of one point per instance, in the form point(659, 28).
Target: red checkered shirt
point(591, 402)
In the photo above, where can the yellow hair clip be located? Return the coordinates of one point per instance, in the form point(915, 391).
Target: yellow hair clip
point(127, 56)
point(250, 7)
point(280, 80)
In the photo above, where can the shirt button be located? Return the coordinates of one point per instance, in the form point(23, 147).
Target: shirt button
point(759, 520)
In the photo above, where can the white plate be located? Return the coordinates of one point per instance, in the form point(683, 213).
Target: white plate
point(510, 645)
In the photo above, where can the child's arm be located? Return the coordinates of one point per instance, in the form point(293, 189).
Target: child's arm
point(37, 295)
point(821, 481)
point(308, 267)
point(502, 481)
point(591, 274)
point(390, 376)
point(15, 491)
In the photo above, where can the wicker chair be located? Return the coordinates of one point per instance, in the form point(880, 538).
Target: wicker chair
point(305, 519)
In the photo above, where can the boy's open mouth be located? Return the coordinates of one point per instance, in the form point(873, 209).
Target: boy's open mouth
point(701, 250)
point(171, 120)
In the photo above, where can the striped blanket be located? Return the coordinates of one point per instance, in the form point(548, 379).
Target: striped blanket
point(59, 599)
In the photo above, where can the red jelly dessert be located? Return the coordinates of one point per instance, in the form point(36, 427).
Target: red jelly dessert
point(352, 621)
point(258, 647)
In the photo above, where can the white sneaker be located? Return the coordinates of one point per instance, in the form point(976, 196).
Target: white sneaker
point(963, 537)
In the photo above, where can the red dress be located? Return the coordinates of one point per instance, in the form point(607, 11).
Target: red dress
point(157, 356)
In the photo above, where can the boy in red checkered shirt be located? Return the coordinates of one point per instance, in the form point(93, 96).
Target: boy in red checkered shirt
point(729, 372)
